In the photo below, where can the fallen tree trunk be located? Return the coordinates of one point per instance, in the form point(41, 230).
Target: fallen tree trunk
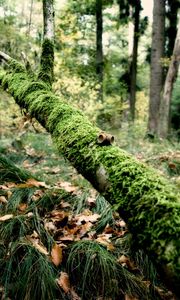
point(145, 200)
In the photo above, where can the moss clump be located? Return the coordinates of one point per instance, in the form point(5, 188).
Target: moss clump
point(46, 73)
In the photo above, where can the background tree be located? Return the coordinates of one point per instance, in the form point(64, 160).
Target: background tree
point(157, 53)
point(99, 47)
point(130, 10)
point(164, 116)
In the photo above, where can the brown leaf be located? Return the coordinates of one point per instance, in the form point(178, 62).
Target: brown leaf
point(91, 201)
point(64, 204)
point(34, 239)
point(56, 255)
point(59, 214)
point(69, 238)
point(22, 206)
point(124, 260)
point(64, 282)
point(37, 195)
point(172, 165)
point(6, 217)
point(49, 226)
point(4, 187)
point(87, 218)
point(104, 240)
point(31, 182)
point(27, 164)
point(11, 185)
point(3, 200)
point(9, 194)
point(120, 223)
point(67, 186)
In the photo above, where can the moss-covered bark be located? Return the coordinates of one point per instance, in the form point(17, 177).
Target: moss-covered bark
point(146, 201)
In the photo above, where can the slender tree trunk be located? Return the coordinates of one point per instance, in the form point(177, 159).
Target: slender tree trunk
point(172, 16)
point(30, 18)
point(99, 47)
point(146, 201)
point(134, 60)
point(157, 53)
point(46, 72)
point(164, 120)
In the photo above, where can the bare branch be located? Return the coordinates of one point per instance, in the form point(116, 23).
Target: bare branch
point(5, 56)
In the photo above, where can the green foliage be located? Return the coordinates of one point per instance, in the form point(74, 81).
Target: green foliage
point(36, 273)
point(9, 172)
point(90, 263)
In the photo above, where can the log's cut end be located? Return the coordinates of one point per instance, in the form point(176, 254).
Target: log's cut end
point(105, 138)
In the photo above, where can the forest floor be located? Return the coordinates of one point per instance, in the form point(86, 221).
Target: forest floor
point(27, 144)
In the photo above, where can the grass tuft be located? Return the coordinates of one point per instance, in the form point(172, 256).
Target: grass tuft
point(36, 275)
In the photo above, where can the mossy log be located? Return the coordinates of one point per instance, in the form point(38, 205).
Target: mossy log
point(146, 201)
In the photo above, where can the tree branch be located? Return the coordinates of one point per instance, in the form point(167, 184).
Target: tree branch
point(146, 201)
point(5, 56)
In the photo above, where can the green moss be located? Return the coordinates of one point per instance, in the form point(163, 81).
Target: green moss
point(47, 62)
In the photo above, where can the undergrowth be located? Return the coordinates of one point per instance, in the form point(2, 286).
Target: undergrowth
point(34, 218)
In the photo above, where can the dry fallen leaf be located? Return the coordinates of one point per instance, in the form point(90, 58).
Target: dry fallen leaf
point(67, 186)
point(6, 217)
point(3, 200)
point(37, 195)
point(64, 282)
point(11, 185)
point(124, 260)
point(86, 218)
point(34, 239)
point(104, 239)
point(59, 214)
point(31, 182)
point(22, 206)
point(56, 255)
point(64, 204)
point(91, 201)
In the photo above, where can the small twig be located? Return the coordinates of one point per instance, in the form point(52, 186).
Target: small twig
point(5, 56)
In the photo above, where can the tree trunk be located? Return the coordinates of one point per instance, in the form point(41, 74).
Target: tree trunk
point(99, 47)
point(157, 53)
point(172, 16)
point(46, 72)
point(147, 202)
point(164, 120)
point(134, 60)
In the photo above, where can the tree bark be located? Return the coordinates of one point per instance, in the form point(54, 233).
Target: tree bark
point(164, 120)
point(99, 47)
point(134, 60)
point(46, 72)
point(172, 16)
point(146, 201)
point(157, 53)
